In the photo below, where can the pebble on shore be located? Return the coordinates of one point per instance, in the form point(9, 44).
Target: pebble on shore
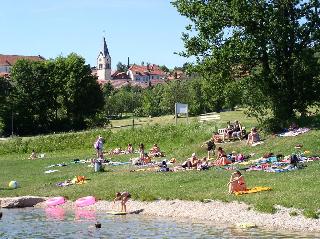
point(213, 211)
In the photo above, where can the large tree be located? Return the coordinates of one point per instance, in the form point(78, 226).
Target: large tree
point(54, 95)
point(268, 46)
point(31, 98)
point(5, 88)
point(80, 94)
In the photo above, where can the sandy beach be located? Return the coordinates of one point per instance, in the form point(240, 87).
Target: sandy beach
point(213, 211)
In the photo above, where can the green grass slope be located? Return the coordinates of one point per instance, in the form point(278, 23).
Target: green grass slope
point(298, 189)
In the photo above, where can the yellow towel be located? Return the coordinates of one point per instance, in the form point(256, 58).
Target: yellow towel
point(253, 190)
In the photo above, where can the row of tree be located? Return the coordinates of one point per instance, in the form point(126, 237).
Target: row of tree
point(62, 95)
point(48, 96)
point(261, 54)
point(200, 94)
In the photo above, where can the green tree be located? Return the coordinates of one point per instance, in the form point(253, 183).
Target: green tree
point(80, 95)
point(272, 41)
point(54, 95)
point(5, 88)
point(122, 67)
point(31, 98)
point(151, 101)
point(164, 68)
point(173, 92)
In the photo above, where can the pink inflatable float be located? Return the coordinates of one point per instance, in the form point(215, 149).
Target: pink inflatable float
point(51, 202)
point(85, 201)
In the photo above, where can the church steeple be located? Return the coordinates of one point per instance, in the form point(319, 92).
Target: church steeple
point(105, 50)
point(104, 62)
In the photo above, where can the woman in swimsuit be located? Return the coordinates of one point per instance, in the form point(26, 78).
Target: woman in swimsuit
point(222, 158)
point(237, 183)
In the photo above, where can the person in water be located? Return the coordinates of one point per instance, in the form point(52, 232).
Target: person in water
point(237, 183)
point(123, 197)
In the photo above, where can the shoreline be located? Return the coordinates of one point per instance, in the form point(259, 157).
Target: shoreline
point(212, 211)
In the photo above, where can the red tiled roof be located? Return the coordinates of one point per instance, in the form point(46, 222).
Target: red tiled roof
point(4, 74)
point(147, 70)
point(10, 60)
point(121, 83)
point(120, 75)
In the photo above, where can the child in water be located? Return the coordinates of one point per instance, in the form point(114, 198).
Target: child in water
point(237, 183)
point(123, 197)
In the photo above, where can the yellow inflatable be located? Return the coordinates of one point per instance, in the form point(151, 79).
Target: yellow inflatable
point(253, 190)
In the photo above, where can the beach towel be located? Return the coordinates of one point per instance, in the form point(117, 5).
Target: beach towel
point(257, 143)
point(51, 171)
point(295, 132)
point(253, 190)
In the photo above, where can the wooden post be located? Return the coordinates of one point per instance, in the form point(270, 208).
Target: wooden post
point(175, 113)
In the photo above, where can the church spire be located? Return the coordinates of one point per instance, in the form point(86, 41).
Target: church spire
point(105, 50)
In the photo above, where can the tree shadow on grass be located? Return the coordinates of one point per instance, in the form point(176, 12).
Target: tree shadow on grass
point(7, 189)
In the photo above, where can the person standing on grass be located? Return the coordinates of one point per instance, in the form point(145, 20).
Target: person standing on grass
point(210, 146)
point(141, 152)
point(98, 145)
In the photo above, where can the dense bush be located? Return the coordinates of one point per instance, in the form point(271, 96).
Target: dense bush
point(170, 135)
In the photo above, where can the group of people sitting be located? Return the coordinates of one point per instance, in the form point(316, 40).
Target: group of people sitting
point(194, 162)
point(146, 158)
point(237, 131)
point(221, 159)
point(119, 150)
point(234, 131)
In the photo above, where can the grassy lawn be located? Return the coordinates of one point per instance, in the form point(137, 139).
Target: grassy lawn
point(298, 189)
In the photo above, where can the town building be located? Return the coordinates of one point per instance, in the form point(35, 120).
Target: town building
point(7, 62)
point(146, 73)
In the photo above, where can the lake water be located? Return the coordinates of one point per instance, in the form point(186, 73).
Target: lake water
point(59, 223)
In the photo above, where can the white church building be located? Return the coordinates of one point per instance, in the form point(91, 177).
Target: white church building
point(103, 69)
point(135, 73)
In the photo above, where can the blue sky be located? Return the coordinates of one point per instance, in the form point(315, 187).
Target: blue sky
point(144, 30)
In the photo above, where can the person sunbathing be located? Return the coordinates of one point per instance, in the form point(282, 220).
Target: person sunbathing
point(155, 151)
point(116, 151)
point(237, 183)
point(129, 149)
point(33, 155)
point(146, 159)
point(222, 158)
point(218, 138)
point(253, 137)
point(203, 164)
point(191, 162)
